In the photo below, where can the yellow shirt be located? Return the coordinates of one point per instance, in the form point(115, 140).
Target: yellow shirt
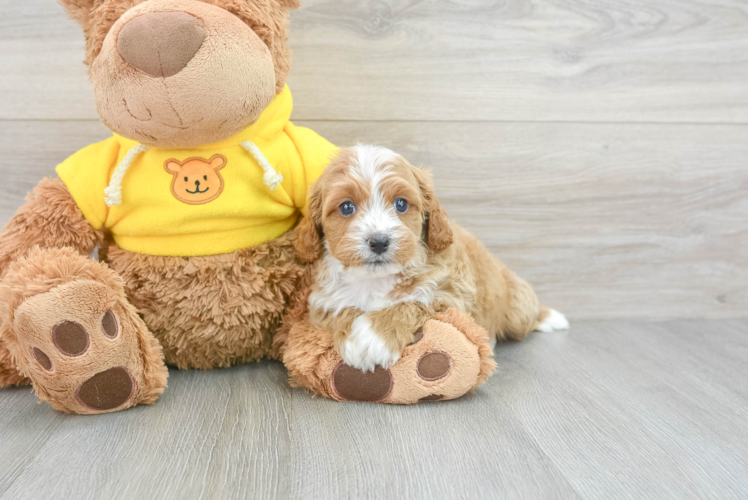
point(206, 200)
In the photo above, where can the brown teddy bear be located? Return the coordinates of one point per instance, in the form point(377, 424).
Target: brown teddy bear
point(191, 203)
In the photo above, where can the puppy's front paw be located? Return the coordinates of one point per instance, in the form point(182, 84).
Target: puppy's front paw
point(364, 349)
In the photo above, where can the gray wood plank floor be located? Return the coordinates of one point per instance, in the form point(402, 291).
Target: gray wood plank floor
point(608, 410)
point(598, 147)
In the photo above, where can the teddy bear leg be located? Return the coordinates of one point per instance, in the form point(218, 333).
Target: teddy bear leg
point(449, 357)
point(9, 375)
point(69, 329)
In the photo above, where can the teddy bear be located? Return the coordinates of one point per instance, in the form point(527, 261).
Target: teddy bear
point(191, 204)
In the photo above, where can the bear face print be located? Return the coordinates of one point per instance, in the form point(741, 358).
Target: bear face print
point(196, 180)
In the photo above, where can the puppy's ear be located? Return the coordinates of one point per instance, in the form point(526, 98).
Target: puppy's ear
point(79, 11)
point(309, 231)
point(438, 233)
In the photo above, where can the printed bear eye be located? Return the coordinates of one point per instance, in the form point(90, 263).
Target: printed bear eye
point(205, 177)
point(186, 179)
point(347, 208)
point(401, 206)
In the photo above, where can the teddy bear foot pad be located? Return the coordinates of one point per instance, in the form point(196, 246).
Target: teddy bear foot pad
point(80, 344)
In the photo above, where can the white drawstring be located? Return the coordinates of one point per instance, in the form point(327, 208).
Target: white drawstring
point(271, 177)
point(113, 193)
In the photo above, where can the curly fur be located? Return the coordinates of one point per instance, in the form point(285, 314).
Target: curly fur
point(267, 18)
point(296, 310)
point(49, 219)
point(9, 375)
point(213, 311)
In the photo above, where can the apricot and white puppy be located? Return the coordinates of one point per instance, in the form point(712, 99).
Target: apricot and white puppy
point(392, 260)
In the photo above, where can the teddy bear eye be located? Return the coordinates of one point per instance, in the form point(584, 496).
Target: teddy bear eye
point(186, 179)
point(205, 177)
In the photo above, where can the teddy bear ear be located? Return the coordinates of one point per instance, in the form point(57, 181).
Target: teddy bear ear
point(79, 11)
point(217, 162)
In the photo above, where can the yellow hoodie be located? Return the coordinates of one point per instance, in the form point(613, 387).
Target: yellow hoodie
point(208, 200)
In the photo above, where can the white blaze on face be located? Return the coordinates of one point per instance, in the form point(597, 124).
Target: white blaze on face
point(377, 216)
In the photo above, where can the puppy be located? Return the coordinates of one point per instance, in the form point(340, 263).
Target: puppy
point(392, 260)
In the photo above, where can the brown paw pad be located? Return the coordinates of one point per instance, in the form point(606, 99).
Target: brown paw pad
point(107, 390)
point(70, 338)
point(353, 385)
point(42, 359)
point(109, 324)
point(434, 365)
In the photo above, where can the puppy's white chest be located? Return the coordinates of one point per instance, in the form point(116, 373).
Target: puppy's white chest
point(372, 295)
point(364, 294)
point(338, 289)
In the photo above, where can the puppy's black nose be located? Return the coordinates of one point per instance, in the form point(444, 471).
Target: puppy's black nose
point(197, 183)
point(379, 244)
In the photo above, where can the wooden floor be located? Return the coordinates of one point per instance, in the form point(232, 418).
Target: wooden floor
point(600, 148)
point(609, 410)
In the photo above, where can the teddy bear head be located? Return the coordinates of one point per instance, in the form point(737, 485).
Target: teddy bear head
point(183, 73)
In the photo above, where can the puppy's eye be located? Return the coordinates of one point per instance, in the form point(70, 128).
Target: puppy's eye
point(185, 179)
point(401, 206)
point(347, 208)
point(205, 177)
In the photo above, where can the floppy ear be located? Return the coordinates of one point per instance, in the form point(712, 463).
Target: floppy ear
point(79, 11)
point(438, 233)
point(309, 231)
point(172, 166)
point(217, 162)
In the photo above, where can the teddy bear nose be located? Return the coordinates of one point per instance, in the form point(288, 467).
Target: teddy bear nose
point(161, 43)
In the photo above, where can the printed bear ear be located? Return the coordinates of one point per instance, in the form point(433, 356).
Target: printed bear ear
point(172, 166)
point(217, 162)
point(79, 11)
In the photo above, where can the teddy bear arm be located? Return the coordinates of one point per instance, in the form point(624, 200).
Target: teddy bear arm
point(447, 358)
point(50, 218)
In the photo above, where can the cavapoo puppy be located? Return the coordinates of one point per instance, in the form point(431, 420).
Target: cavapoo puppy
point(391, 260)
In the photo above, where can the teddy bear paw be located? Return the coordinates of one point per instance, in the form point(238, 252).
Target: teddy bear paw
point(70, 329)
point(443, 362)
point(80, 349)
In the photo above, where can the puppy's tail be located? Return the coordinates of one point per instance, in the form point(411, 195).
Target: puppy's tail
point(527, 314)
point(550, 320)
